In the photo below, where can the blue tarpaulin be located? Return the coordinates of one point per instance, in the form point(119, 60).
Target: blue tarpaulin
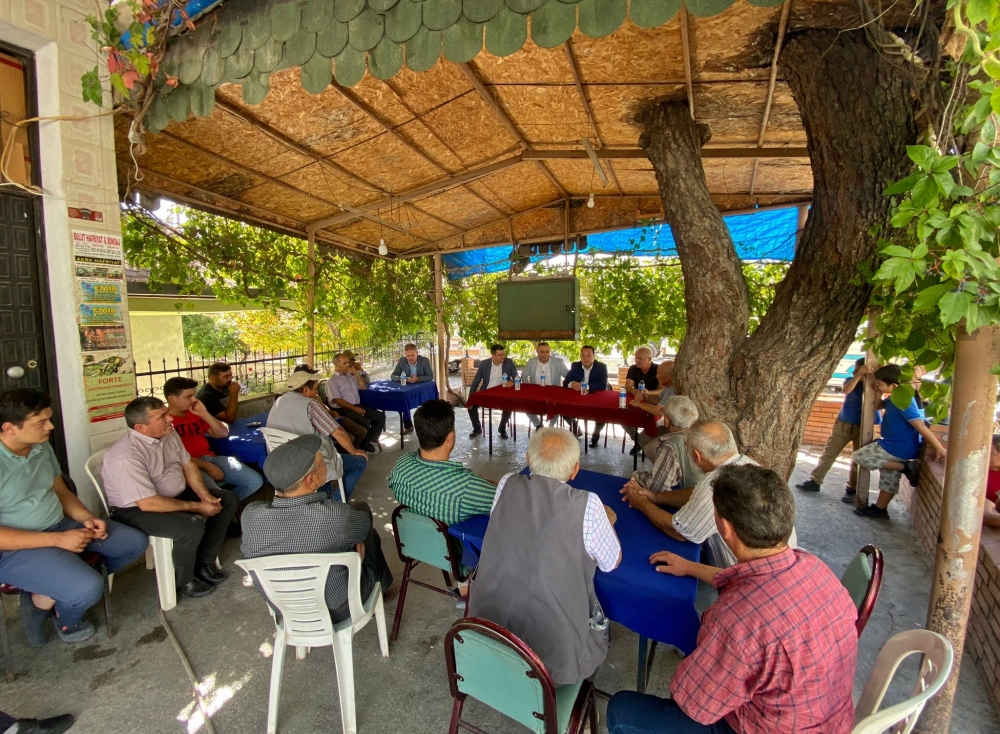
point(763, 235)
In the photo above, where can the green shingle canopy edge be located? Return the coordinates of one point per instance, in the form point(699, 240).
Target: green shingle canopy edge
point(339, 39)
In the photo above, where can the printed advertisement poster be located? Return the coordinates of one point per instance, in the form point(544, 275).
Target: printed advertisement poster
point(92, 314)
point(101, 291)
point(107, 395)
point(97, 244)
point(96, 267)
point(107, 363)
point(102, 338)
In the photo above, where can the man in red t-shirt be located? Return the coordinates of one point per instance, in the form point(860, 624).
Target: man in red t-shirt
point(194, 424)
point(991, 510)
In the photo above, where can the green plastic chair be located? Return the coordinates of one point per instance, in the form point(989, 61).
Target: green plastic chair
point(497, 668)
point(863, 580)
point(422, 539)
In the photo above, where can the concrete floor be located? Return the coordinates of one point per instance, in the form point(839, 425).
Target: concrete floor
point(134, 683)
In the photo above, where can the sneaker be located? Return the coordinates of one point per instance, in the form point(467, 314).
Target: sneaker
point(51, 725)
point(911, 470)
point(34, 620)
point(808, 486)
point(82, 630)
point(476, 433)
point(849, 495)
point(872, 511)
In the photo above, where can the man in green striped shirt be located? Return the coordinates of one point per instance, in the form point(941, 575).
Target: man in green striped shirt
point(428, 483)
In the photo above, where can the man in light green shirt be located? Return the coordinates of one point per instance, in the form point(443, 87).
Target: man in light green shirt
point(43, 527)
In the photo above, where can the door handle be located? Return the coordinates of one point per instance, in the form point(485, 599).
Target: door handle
point(16, 372)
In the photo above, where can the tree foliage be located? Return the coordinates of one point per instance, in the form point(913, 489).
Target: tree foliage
point(208, 336)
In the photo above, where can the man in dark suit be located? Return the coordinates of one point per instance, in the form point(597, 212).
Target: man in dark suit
point(499, 370)
point(595, 374)
point(417, 368)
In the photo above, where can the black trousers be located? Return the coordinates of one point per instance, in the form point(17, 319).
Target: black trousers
point(478, 426)
point(374, 568)
point(197, 539)
point(373, 421)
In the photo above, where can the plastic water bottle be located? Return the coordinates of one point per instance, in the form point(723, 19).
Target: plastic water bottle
point(402, 379)
point(541, 380)
point(642, 385)
point(584, 388)
point(622, 398)
point(517, 383)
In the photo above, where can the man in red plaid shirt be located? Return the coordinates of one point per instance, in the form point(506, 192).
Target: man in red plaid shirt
point(777, 650)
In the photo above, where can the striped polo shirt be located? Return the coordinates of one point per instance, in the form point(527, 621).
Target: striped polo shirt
point(444, 490)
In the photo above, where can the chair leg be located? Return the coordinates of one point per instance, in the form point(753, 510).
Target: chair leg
point(398, 616)
point(107, 600)
point(343, 654)
point(593, 714)
point(301, 652)
point(623, 444)
point(163, 549)
point(277, 667)
point(343, 494)
point(8, 658)
point(383, 638)
point(150, 562)
point(456, 716)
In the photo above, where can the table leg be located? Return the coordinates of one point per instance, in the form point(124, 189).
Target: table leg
point(402, 438)
point(635, 457)
point(491, 431)
point(586, 440)
point(647, 652)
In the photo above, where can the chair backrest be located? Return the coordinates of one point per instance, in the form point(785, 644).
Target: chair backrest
point(424, 539)
point(863, 580)
point(94, 466)
point(295, 585)
point(934, 670)
point(275, 438)
point(496, 667)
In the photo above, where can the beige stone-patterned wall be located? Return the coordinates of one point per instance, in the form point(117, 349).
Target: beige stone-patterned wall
point(77, 164)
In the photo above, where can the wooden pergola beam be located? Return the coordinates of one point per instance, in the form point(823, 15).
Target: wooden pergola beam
point(686, 47)
point(639, 153)
point(772, 83)
point(582, 94)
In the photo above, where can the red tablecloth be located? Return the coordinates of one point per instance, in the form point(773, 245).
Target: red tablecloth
point(599, 406)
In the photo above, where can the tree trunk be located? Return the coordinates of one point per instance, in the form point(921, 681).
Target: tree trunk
point(858, 112)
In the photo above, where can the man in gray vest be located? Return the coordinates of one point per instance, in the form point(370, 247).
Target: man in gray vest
point(673, 465)
point(544, 542)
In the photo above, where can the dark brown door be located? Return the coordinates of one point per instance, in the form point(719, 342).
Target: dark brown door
point(22, 336)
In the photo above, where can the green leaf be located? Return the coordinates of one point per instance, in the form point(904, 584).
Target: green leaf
point(924, 192)
point(897, 251)
point(916, 340)
point(902, 395)
point(980, 10)
point(953, 307)
point(928, 297)
point(926, 358)
point(945, 183)
point(92, 89)
point(923, 155)
point(119, 85)
point(903, 185)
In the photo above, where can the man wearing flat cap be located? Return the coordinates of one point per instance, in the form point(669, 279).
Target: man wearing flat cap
point(300, 520)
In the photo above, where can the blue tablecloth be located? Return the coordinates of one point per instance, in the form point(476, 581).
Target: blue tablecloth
point(244, 443)
point(655, 605)
point(395, 398)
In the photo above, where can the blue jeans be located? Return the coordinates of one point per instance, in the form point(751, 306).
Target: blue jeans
point(354, 467)
point(630, 712)
point(239, 477)
point(64, 576)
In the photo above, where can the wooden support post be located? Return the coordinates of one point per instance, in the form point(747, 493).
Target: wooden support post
point(969, 436)
point(442, 360)
point(800, 224)
point(311, 298)
point(868, 400)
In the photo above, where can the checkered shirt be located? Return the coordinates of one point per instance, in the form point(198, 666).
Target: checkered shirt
point(308, 524)
point(322, 421)
point(666, 472)
point(599, 538)
point(776, 652)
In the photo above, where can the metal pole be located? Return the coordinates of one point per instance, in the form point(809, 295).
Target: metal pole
point(868, 400)
point(969, 431)
point(442, 348)
point(311, 299)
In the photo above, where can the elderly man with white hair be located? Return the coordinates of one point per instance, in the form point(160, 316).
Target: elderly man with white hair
point(544, 542)
point(673, 466)
point(653, 402)
point(710, 445)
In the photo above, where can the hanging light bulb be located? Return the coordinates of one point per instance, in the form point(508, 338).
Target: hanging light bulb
point(382, 249)
point(590, 201)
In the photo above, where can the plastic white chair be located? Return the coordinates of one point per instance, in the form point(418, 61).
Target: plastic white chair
point(934, 670)
point(159, 552)
point(295, 585)
point(274, 438)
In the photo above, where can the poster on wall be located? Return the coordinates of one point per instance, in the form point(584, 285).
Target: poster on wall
point(101, 245)
point(109, 384)
point(101, 291)
point(97, 314)
point(97, 267)
point(102, 338)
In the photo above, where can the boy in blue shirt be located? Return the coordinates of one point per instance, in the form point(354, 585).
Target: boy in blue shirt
point(897, 451)
point(847, 430)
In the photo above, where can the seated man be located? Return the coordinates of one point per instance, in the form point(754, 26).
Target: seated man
point(220, 394)
point(417, 368)
point(301, 520)
point(355, 362)
point(153, 484)
point(711, 446)
point(428, 483)
point(777, 651)
point(654, 404)
point(643, 372)
point(300, 412)
point(498, 370)
point(595, 374)
point(343, 392)
point(673, 466)
point(43, 526)
point(359, 434)
point(544, 370)
point(193, 424)
point(896, 452)
point(544, 542)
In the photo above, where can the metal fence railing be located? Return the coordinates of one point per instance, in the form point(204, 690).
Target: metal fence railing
point(262, 372)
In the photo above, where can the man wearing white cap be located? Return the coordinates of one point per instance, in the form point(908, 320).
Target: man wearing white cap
point(299, 411)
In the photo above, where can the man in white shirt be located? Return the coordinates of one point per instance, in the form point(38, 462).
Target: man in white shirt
point(553, 370)
point(498, 371)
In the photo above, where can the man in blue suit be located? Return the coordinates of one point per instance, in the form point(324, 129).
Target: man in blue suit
point(417, 368)
point(595, 374)
point(492, 372)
